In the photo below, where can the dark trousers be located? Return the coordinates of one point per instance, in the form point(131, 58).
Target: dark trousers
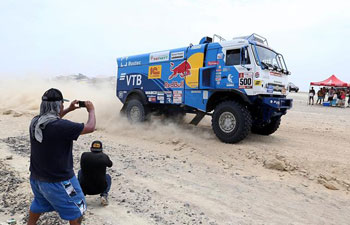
point(108, 180)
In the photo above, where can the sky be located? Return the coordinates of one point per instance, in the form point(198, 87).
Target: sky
point(62, 37)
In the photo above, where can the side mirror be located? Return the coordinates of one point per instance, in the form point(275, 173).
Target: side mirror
point(242, 56)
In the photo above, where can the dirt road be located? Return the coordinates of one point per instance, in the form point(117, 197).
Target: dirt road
point(170, 173)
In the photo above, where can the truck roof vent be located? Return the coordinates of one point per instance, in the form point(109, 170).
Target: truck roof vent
point(206, 40)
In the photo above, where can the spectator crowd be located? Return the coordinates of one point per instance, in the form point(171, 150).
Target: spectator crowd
point(334, 96)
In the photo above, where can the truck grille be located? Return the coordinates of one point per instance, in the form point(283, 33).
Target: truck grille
point(276, 87)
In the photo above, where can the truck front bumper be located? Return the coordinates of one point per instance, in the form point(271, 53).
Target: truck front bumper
point(265, 107)
point(277, 103)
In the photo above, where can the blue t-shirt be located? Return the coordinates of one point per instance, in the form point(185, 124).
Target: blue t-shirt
point(52, 160)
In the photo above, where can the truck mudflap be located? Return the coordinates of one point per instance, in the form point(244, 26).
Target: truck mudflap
point(278, 103)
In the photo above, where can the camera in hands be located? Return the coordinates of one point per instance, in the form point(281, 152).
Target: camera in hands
point(81, 104)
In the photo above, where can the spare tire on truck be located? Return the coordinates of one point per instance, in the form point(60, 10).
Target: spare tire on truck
point(231, 121)
point(135, 111)
point(267, 128)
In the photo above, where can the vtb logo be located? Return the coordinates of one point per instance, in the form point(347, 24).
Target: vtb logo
point(155, 72)
point(134, 79)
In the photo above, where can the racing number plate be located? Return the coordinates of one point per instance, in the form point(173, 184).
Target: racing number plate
point(245, 80)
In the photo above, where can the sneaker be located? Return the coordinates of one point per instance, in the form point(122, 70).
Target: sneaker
point(104, 200)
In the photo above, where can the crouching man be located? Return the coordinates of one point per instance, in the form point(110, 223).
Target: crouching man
point(92, 176)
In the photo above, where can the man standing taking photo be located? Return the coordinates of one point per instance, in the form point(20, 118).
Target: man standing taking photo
point(52, 178)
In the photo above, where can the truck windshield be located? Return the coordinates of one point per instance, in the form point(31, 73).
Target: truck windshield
point(269, 58)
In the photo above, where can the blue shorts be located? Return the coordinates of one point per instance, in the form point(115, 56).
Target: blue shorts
point(64, 197)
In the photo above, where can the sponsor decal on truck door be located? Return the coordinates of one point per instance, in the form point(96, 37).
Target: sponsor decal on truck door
point(155, 72)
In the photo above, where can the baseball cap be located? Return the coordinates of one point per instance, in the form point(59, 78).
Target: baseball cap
point(96, 146)
point(53, 95)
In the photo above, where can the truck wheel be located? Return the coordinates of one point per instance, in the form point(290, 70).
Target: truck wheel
point(231, 122)
point(267, 129)
point(136, 111)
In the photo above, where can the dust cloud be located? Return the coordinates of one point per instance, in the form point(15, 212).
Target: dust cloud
point(23, 96)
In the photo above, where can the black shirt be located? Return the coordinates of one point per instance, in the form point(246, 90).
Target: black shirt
point(52, 160)
point(93, 172)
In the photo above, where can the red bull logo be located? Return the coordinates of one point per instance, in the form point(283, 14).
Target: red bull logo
point(174, 84)
point(183, 69)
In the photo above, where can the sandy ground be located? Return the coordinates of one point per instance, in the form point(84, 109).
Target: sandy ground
point(173, 173)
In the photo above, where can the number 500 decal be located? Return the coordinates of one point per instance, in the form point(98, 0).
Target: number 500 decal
point(245, 80)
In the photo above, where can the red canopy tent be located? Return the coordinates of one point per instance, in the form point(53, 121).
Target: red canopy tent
point(332, 81)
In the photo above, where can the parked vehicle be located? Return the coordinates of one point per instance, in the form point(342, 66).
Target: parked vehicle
point(241, 83)
point(292, 87)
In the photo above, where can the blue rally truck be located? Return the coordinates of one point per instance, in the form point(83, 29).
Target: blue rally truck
point(242, 83)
